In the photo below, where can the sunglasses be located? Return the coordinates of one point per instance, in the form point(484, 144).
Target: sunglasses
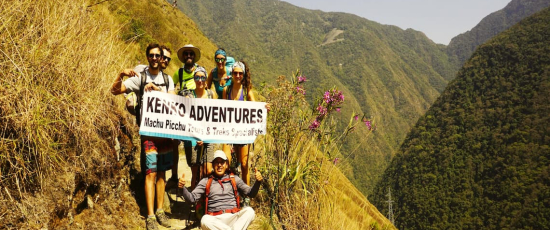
point(238, 73)
point(200, 78)
point(154, 55)
point(219, 60)
point(167, 59)
point(218, 162)
point(188, 53)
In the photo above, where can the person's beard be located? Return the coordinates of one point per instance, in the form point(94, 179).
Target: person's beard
point(151, 66)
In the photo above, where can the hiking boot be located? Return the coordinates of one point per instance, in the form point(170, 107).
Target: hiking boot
point(163, 219)
point(151, 223)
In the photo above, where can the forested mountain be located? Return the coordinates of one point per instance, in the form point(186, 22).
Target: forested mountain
point(480, 156)
point(388, 74)
point(463, 45)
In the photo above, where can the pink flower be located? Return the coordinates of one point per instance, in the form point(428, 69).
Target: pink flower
point(326, 97)
point(301, 79)
point(368, 124)
point(337, 109)
point(336, 160)
point(322, 110)
point(356, 117)
point(314, 125)
point(301, 90)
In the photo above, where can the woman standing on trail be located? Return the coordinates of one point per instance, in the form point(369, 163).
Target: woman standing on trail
point(221, 75)
point(240, 89)
point(198, 156)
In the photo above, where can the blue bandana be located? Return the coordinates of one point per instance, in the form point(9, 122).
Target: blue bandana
point(220, 51)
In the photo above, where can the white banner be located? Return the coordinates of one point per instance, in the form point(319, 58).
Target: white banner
point(209, 120)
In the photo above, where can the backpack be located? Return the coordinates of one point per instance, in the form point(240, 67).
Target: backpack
point(207, 193)
point(139, 102)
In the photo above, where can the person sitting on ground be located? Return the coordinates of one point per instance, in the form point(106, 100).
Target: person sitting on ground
point(222, 191)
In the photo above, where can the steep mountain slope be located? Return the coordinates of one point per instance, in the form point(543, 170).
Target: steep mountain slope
point(69, 153)
point(463, 45)
point(390, 75)
point(480, 157)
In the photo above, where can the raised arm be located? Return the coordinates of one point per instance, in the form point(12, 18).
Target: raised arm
point(250, 191)
point(194, 195)
point(117, 87)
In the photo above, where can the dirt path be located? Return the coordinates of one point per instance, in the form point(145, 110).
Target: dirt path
point(179, 210)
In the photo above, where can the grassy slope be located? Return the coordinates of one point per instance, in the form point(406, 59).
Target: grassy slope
point(58, 122)
point(386, 73)
point(479, 158)
point(65, 141)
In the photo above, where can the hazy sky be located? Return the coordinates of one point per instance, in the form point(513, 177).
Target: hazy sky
point(440, 20)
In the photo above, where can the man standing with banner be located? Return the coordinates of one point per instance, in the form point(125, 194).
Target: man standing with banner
point(158, 150)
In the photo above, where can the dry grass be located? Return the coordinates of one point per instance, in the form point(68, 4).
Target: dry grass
point(57, 118)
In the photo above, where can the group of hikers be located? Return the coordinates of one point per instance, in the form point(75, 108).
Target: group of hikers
point(211, 178)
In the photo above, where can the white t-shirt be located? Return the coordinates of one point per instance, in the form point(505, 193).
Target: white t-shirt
point(132, 84)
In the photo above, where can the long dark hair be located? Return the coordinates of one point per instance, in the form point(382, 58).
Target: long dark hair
point(247, 80)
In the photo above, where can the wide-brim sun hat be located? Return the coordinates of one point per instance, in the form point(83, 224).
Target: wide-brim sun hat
point(189, 47)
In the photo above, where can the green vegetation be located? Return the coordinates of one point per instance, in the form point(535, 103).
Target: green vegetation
point(303, 187)
point(144, 22)
point(69, 155)
point(462, 46)
point(389, 74)
point(480, 157)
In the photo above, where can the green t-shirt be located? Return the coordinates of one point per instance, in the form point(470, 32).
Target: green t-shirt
point(187, 78)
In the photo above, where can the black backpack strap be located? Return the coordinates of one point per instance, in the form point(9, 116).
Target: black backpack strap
point(143, 76)
point(166, 81)
point(180, 73)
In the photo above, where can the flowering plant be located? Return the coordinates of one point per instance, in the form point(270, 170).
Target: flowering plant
point(331, 101)
point(300, 137)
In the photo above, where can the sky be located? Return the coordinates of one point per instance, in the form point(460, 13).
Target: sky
point(440, 20)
